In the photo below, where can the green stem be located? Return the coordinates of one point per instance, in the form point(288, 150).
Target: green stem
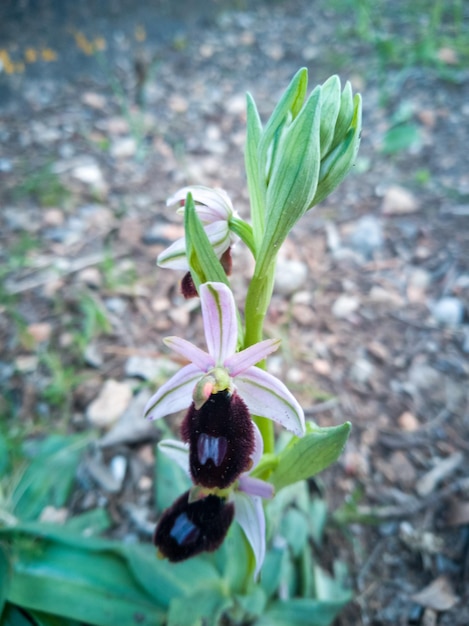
point(257, 301)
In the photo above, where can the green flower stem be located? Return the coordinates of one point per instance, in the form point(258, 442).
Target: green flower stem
point(257, 301)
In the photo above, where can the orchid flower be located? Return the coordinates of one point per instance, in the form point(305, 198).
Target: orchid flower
point(180, 535)
point(222, 369)
point(215, 211)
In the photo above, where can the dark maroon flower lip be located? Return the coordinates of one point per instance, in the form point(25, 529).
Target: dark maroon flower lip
point(189, 528)
point(221, 440)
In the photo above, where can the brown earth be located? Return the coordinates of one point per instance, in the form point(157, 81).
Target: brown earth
point(375, 330)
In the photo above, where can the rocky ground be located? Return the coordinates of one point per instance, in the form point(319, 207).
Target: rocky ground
point(372, 293)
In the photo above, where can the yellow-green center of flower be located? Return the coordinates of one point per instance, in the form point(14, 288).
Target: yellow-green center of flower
point(214, 381)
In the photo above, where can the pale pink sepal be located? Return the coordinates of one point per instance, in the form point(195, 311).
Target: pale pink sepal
point(175, 394)
point(249, 514)
point(219, 318)
point(255, 486)
point(241, 361)
point(266, 396)
point(190, 352)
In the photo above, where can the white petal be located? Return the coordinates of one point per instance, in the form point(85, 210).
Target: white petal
point(218, 234)
point(215, 199)
point(250, 516)
point(258, 446)
point(250, 356)
point(177, 451)
point(190, 352)
point(220, 323)
point(266, 396)
point(175, 394)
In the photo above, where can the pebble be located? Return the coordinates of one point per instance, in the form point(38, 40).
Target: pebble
point(344, 306)
point(379, 295)
point(290, 276)
point(40, 332)
point(148, 368)
point(408, 422)
point(91, 277)
point(110, 404)
point(118, 467)
point(90, 174)
point(366, 236)
point(448, 311)
point(123, 148)
point(26, 363)
point(399, 201)
point(361, 371)
point(93, 356)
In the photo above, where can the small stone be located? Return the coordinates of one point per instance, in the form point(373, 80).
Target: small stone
point(345, 305)
point(296, 376)
point(148, 368)
point(123, 148)
point(90, 174)
point(53, 217)
point(93, 356)
point(378, 351)
point(361, 370)
point(94, 100)
point(27, 363)
point(408, 422)
point(303, 314)
point(448, 55)
point(116, 305)
point(110, 404)
point(448, 311)
point(52, 515)
point(91, 277)
point(379, 295)
point(145, 483)
point(322, 367)
point(178, 103)
point(366, 236)
point(438, 596)
point(40, 332)
point(290, 276)
point(398, 201)
point(118, 467)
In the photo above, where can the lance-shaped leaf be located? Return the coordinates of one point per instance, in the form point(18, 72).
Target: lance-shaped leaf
point(330, 106)
point(256, 183)
point(286, 111)
point(294, 177)
point(336, 165)
point(202, 259)
point(305, 457)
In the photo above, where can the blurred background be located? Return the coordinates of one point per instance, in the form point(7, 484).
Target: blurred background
point(106, 109)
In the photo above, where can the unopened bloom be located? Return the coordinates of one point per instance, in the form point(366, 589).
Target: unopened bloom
point(223, 369)
point(214, 208)
point(186, 529)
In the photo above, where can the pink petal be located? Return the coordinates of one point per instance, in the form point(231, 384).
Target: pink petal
point(241, 361)
point(190, 352)
point(220, 323)
point(258, 446)
point(267, 396)
point(174, 395)
point(255, 486)
point(250, 516)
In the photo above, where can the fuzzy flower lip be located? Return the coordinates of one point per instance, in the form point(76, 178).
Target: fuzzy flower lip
point(214, 208)
point(263, 393)
point(247, 495)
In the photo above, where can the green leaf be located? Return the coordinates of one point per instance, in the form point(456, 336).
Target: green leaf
point(84, 579)
point(294, 529)
point(90, 523)
point(12, 616)
point(4, 455)
point(317, 520)
point(46, 619)
point(401, 138)
point(304, 457)
point(337, 164)
point(203, 608)
point(271, 572)
point(256, 183)
point(294, 178)
point(49, 477)
point(301, 612)
point(4, 577)
point(330, 107)
point(287, 109)
point(344, 117)
point(201, 257)
point(235, 560)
